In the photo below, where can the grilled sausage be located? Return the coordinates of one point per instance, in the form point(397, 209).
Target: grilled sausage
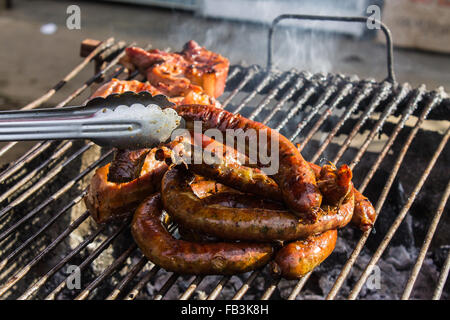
point(126, 165)
point(184, 257)
point(241, 223)
point(298, 258)
point(226, 167)
point(334, 184)
point(107, 200)
point(294, 177)
point(364, 214)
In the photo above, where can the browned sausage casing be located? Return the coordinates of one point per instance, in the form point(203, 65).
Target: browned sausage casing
point(365, 214)
point(185, 257)
point(241, 223)
point(294, 177)
point(227, 169)
point(126, 165)
point(298, 258)
point(108, 200)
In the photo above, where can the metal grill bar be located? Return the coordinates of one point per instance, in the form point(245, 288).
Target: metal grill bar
point(287, 96)
point(258, 89)
point(166, 287)
point(250, 74)
point(383, 93)
point(38, 284)
point(48, 162)
point(352, 259)
point(344, 92)
point(300, 102)
point(54, 197)
point(222, 283)
point(365, 91)
point(240, 293)
point(269, 291)
point(299, 286)
point(130, 276)
point(442, 279)
point(85, 293)
point(426, 244)
point(306, 88)
point(43, 181)
point(88, 260)
point(272, 94)
point(50, 222)
point(399, 219)
point(191, 289)
point(22, 161)
point(22, 272)
point(150, 274)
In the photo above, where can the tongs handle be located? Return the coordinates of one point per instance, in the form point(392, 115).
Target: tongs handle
point(128, 120)
point(50, 125)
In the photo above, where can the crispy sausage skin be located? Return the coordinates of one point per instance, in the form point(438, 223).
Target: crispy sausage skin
point(185, 257)
point(240, 222)
point(126, 165)
point(294, 177)
point(335, 184)
point(298, 258)
point(225, 168)
point(107, 200)
point(364, 215)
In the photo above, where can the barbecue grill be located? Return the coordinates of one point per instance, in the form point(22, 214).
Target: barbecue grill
point(394, 138)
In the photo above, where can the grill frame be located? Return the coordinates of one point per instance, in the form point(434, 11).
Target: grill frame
point(291, 87)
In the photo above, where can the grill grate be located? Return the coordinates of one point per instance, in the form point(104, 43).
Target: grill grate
point(328, 114)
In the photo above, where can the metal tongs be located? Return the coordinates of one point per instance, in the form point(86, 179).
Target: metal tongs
point(126, 120)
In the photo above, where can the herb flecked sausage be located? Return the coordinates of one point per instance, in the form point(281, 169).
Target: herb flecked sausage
point(186, 257)
point(298, 258)
point(294, 176)
point(253, 224)
point(108, 200)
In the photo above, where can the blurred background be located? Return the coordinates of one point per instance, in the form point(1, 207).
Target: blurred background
point(38, 48)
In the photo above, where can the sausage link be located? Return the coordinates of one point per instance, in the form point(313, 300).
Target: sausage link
point(127, 165)
point(298, 258)
point(335, 184)
point(364, 214)
point(107, 200)
point(294, 177)
point(225, 167)
point(184, 257)
point(239, 222)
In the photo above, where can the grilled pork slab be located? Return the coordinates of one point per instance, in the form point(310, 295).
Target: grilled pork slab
point(176, 74)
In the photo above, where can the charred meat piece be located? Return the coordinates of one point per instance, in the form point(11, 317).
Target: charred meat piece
point(126, 165)
point(206, 68)
point(195, 96)
point(121, 86)
point(108, 201)
point(179, 73)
